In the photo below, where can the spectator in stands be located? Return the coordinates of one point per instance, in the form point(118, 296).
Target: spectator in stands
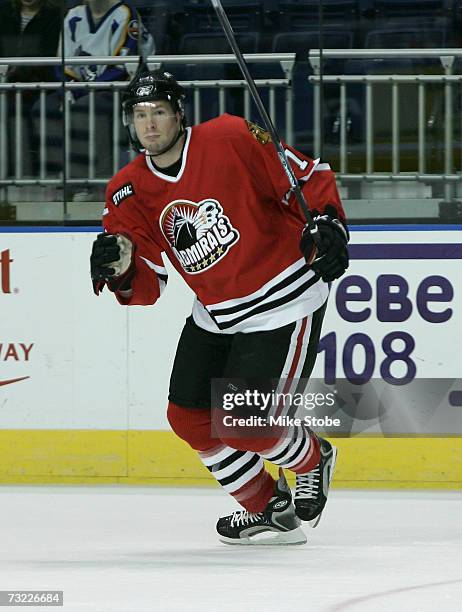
point(94, 28)
point(28, 28)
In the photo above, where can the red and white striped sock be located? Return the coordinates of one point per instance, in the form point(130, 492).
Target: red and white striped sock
point(298, 452)
point(242, 474)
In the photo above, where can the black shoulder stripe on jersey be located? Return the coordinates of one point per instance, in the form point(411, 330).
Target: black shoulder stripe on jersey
point(270, 305)
point(218, 312)
point(122, 194)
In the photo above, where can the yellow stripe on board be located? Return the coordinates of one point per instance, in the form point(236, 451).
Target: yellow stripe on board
point(159, 457)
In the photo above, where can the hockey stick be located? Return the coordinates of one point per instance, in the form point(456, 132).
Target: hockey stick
point(294, 186)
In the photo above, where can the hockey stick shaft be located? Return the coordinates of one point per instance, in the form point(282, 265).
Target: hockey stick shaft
point(294, 186)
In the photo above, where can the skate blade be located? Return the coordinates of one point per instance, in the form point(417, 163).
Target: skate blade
point(284, 538)
point(315, 522)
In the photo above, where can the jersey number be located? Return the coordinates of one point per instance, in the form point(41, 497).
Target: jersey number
point(301, 163)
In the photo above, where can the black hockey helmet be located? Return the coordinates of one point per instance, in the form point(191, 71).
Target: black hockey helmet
point(150, 86)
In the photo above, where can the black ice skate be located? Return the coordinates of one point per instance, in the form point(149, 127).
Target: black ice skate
point(276, 525)
point(312, 488)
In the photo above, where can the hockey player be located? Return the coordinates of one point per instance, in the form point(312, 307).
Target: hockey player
point(215, 199)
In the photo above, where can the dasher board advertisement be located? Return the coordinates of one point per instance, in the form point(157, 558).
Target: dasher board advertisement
point(70, 360)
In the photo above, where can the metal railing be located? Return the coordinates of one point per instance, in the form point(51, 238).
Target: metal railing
point(448, 176)
point(221, 86)
point(446, 57)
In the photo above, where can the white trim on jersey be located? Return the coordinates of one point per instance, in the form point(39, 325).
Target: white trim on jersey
point(316, 167)
point(161, 273)
point(166, 177)
point(281, 293)
point(260, 293)
point(312, 169)
point(304, 305)
point(291, 295)
point(160, 270)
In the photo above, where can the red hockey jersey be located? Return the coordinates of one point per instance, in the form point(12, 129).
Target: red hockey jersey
point(229, 225)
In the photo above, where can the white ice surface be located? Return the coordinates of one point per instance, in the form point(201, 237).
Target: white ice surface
point(134, 549)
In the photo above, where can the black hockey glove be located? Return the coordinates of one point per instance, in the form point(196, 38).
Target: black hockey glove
point(331, 260)
point(112, 262)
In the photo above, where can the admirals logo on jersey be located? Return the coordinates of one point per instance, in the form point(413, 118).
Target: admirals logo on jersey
point(200, 234)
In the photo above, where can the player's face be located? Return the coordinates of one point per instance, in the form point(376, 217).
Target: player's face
point(156, 125)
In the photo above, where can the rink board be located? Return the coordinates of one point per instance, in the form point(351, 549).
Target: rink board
point(83, 381)
point(159, 457)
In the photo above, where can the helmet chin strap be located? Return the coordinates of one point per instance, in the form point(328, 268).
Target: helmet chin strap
point(180, 133)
